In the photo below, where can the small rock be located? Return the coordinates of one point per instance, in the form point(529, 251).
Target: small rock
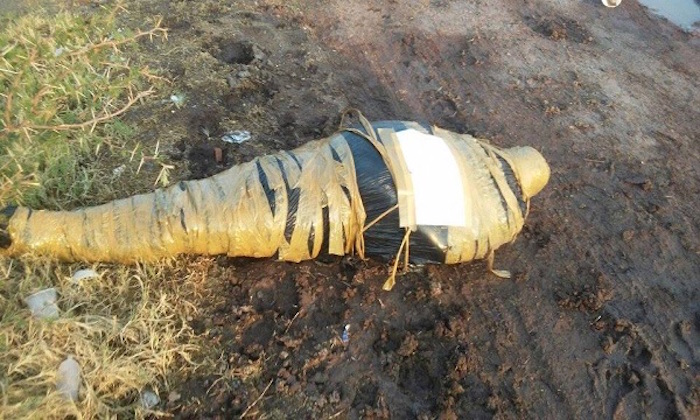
point(633, 379)
point(611, 3)
point(118, 171)
point(258, 53)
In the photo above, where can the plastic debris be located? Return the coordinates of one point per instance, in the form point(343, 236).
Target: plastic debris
point(68, 379)
point(611, 3)
point(116, 172)
point(346, 334)
point(42, 304)
point(149, 399)
point(58, 51)
point(236, 137)
point(84, 274)
point(177, 99)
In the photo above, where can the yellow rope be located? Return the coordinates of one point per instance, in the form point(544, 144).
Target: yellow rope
point(391, 281)
point(380, 217)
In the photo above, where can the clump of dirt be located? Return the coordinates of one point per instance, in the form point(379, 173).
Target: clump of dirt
point(558, 28)
point(601, 318)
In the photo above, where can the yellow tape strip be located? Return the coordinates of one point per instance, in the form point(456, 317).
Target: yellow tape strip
point(402, 178)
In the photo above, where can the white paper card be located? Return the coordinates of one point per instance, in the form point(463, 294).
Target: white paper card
point(437, 182)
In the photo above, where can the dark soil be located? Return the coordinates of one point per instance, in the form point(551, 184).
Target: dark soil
point(602, 317)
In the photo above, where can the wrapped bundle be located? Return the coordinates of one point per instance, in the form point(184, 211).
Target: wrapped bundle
point(385, 189)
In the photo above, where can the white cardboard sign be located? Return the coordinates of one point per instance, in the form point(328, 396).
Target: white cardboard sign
point(437, 182)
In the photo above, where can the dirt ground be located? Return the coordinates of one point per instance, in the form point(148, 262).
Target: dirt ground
point(602, 317)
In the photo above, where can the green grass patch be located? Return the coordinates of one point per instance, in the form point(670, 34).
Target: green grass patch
point(64, 80)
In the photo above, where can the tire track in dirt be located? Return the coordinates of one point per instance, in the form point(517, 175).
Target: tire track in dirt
point(538, 370)
point(651, 350)
point(640, 367)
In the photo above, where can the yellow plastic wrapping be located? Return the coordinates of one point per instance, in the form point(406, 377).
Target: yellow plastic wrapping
point(228, 213)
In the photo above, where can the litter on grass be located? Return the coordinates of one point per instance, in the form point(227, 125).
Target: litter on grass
point(68, 379)
point(178, 100)
point(42, 304)
point(149, 399)
point(84, 274)
point(118, 171)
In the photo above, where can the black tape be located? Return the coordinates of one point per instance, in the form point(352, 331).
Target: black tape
point(310, 239)
point(504, 204)
point(269, 193)
point(5, 240)
point(292, 203)
point(336, 156)
point(347, 193)
point(8, 212)
point(294, 157)
point(182, 220)
point(325, 213)
point(513, 184)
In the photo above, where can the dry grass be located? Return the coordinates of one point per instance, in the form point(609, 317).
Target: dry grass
point(127, 330)
point(64, 80)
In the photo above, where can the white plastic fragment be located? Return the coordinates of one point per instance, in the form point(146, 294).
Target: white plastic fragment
point(236, 137)
point(58, 51)
point(177, 99)
point(611, 3)
point(68, 379)
point(149, 399)
point(116, 172)
point(346, 334)
point(83, 274)
point(42, 304)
